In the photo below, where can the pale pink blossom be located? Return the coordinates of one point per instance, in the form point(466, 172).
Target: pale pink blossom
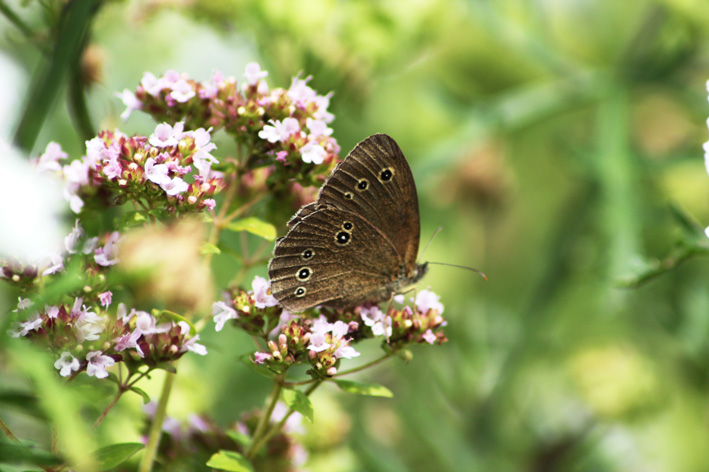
point(97, 363)
point(254, 73)
point(262, 293)
point(66, 364)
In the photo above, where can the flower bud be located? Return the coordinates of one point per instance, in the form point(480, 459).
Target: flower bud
point(241, 110)
point(87, 288)
point(272, 346)
point(332, 371)
point(282, 340)
point(192, 199)
point(312, 354)
point(277, 355)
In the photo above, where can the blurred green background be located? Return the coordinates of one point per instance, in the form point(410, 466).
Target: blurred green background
point(554, 141)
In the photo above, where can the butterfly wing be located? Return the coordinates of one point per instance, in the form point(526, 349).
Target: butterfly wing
point(332, 257)
point(376, 182)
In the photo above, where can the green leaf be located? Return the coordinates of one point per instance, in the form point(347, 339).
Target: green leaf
point(111, 456)
point(359, 388)
point(12, 453)
point(258, 368)
point(132, 219)
point(240, 438)
point(142, 393)
point(296, 400)
point(231, 461)
point(254, 226)
point(209, 248)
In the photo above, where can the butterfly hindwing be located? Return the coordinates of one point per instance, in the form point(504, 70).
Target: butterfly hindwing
point(331, 257)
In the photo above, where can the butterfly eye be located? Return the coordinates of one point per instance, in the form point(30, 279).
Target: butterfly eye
point(342, 238)
point(307, 254)
point(363, 184)
point(386, 174)
point(304, 273)
point(299, 292)
point(347, 226)
point(348, 195)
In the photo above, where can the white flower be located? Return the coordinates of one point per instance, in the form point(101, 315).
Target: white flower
point(66, 364)
point(97, 364)
point(279, 131)
point(192, 345)
point(222, 313)
point(313, 153)
point(89, 326)
point(262, 293)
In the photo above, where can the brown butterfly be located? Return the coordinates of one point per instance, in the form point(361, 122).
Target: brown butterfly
point(359, 240)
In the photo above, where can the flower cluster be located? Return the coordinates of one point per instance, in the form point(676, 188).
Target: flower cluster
point(256, 312)
point(288, 126)
point(198, 438)
point(98, 251)
point(170, 170)
point(324, 340)
point(89, 339)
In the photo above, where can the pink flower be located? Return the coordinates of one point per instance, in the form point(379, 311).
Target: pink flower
point(105, 298)
point(175, 186)
point(281, 156)
point(151, 84)
point(166, 135)
point(262, 293)
point(221, 312)
point(318, 128)
point(427, 300)
point(97, 364)
point(313, 153)
point(108, 254)
point(113, 169)
point(52, 311)
point(49, 160)
point(156, 173)
point(130, 101)
point(66, 364)
point(254, 73)
point(318, 342)
point(429, 337)
point(182, 91)
point(300, 93)
point(375, 318)
point(261, 357)
point(209, 203)
point(279, 131)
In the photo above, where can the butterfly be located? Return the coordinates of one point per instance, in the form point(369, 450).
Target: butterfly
point(358, 241)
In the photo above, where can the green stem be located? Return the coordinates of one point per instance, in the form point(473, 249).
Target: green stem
point(15, 20)
point(146, 464)
point(7, 431)
point(78, 109)
point(279, 426)
point(73, 29)
point(266, 416)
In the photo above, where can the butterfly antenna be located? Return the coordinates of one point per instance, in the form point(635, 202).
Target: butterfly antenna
point(461, 267)
point(430, 240)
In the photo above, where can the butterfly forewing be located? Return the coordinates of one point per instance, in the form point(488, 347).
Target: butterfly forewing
point(375, 181)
